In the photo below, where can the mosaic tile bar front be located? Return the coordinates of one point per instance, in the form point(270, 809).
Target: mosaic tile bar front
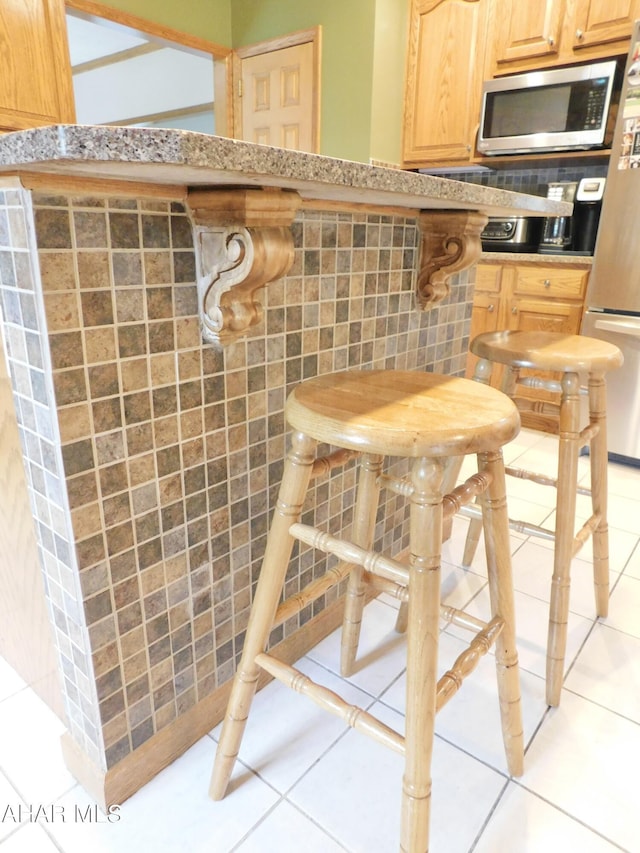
point(152, 459)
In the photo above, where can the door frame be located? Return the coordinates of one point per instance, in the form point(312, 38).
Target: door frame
point(222, 70)
point(313, 35)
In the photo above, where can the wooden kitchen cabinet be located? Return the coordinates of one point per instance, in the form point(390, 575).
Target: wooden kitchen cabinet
point(543, 33)
point(528, 296)
point(35, 79)
point(445, 70)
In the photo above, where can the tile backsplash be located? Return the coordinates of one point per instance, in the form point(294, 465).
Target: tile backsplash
point(532, 181)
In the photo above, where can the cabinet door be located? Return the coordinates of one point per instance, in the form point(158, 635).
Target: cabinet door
point(484, 318)
point(445, 68)
point(487, 310)
point(526, 30)
point(538, 315)
point(545, 316)
point(35, 80)
point(603, 21)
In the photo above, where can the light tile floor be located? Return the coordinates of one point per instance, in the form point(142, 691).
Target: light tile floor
point(306, 782)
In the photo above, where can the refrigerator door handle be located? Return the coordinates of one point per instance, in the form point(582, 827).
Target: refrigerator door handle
point(621, 327)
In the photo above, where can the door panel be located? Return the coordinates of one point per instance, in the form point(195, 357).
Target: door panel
point(277, 103)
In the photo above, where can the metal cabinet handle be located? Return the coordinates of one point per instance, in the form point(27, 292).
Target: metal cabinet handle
point(514, 310)
point(551, 41)
point(491, 308)
point(547, 282)
point(579, 35)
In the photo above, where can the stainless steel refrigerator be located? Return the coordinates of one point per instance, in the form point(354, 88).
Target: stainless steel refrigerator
point(613, 293)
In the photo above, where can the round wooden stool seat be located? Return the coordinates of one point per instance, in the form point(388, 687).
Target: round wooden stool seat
point(402, 413)
point(547, 351)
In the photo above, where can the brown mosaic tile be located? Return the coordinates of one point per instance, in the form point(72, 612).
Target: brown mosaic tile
point(124, 230)
point(109, 447)
point(157, 267)
point(66, 349)
point(62, 311)
point(93, 270)
point(99, 344)
point(155, 232)
point(139, 438)
point(161, 337)
point(87, 520)
point(130, 306)
point(107, 415)
point(103, 380)
point(159, 302)
point(137, 407)
point(57, 271)
point(126, 269)
point(181, 234)
point(113, 478)
point(132, 340)
point(90, 229)
point(53, 228)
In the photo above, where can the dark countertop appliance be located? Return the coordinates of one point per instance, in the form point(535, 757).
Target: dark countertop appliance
point(557, 231)
point(576, 234)
point(586, 213)
point(511, 234)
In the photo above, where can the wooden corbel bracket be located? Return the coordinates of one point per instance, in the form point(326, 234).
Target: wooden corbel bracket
point(242, 241)
point(450, 243)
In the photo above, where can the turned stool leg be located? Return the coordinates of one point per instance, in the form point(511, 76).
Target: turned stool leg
point(482, 374)
point(293, 489)
point(452, 466)
point(364, 523)
point(568, 435)
point(498, 551)
point(599, 488)
point(422, 652)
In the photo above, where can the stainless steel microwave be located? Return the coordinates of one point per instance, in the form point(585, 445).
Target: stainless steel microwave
point(556, 110)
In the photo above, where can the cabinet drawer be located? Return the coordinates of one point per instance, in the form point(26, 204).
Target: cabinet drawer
point(554, 282)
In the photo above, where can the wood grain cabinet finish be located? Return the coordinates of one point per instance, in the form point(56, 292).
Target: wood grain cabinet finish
point(527, 297)
point(445, 69)
point(543, 33)
point(35, 80)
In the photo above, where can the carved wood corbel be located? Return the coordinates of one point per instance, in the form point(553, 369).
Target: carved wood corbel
point(242, 241)
point(450, 243)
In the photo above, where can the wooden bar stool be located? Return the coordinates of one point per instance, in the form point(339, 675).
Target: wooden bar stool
point(432, 420)
point(578, 359)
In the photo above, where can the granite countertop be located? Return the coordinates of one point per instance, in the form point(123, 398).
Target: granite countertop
point(187, 159)
point(536, 257)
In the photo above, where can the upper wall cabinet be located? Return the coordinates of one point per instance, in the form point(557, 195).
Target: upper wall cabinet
point(35, 80)
point(543, 33)
point(444, 79)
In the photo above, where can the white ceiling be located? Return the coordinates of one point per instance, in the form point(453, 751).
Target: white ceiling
point(88, 41)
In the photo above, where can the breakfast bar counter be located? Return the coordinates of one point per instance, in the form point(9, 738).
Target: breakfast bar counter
point(160, 293)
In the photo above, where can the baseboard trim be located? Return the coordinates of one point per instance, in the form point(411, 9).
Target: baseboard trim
point(118, 783)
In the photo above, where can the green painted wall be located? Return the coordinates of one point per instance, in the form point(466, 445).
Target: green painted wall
point(347, 60)
point(208, 19)
point(363, 58)
point(389, 61)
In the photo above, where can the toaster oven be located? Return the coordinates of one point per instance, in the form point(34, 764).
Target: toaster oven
point(511, 234)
